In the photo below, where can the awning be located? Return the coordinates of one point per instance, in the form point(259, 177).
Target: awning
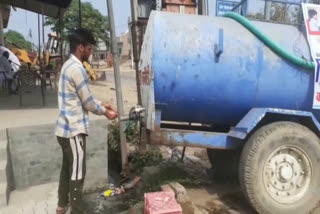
point(51, 8)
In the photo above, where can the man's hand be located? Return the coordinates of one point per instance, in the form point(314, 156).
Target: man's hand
point(111, 113)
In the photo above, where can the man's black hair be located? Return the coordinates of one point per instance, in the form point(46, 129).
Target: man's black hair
point(312, 13)
point(80, 36)
point(5, 54)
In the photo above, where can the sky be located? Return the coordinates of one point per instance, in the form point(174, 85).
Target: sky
point(22, 20)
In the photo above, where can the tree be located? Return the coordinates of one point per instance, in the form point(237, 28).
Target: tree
point(281, 12)
point(285, 13)
point(15, 39)
point(92, 20)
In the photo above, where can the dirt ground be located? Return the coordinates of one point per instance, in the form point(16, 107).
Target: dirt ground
point(211, 196)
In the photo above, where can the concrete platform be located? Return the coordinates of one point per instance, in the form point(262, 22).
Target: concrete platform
point(35, 160)
point(40, 199)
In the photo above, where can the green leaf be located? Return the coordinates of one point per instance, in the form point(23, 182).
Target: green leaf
point(92, 19)
point(15, 39)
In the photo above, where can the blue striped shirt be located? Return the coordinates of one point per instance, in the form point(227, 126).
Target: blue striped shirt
point(75, 100)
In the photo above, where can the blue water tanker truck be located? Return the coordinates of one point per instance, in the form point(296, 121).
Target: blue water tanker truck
point(242, 90)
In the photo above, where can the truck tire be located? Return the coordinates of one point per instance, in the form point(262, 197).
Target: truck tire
point(225, 164)
point(279, 169)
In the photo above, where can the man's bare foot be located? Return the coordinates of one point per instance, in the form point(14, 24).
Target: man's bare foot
point(61, 210)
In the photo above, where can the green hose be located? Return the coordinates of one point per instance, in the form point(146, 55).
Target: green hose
point(268, 42)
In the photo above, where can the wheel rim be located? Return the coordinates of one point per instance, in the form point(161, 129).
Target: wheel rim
point(287, 174)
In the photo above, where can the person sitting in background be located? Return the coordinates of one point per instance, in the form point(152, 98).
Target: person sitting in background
point(6, 69)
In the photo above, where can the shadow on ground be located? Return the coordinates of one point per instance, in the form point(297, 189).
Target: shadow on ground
point(29, 100)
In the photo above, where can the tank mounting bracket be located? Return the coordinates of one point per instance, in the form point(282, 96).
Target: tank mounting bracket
point(218, 48)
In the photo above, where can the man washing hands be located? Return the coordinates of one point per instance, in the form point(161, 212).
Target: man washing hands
point(75, 101)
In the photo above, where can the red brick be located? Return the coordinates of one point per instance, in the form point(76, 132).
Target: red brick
point(179, 1)
point(161, 203)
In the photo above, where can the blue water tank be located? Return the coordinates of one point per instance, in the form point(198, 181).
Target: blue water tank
point(182, 78)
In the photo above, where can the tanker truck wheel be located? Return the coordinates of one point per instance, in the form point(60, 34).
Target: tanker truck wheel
point(225, 164)
point(279, 169)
